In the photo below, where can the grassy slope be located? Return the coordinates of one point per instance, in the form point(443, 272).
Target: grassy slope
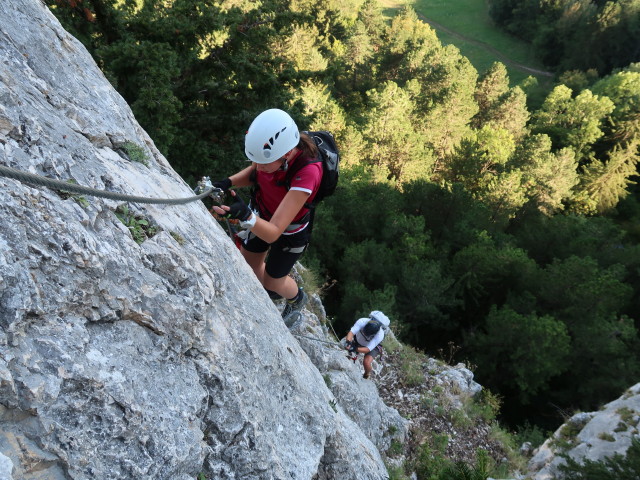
point(469, 18)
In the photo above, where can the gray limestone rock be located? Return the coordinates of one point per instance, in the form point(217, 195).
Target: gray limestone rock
point(6, 467)
point(155, 360)
point(591, 436)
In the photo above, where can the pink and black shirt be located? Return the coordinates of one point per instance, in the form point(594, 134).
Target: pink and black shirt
point(272, 190)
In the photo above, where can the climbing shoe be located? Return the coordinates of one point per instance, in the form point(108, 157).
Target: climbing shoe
point(293, 307)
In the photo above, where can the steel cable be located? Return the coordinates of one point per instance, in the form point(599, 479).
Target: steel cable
point(33, 179)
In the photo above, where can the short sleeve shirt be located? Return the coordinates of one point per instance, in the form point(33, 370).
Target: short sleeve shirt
point(361, 339)
point(272, 188)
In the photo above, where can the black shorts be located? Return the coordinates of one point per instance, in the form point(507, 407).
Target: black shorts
point(375, 353)
point(283, 253)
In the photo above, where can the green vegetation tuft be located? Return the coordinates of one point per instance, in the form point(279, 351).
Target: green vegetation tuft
point(430, 462)
point(310, 279)
point(566, 438)
point(533, 434)
point(462, 471)
point(411, 366)
point(607, 437)
point(486, 406)
point(79, 199)
point(396, 448)
point(177, 237)
point(511, 448)
point(626, 414)
point(136, 153)
point(621, 427)
point(141, 229)
point(396, 473)
point(391, 343)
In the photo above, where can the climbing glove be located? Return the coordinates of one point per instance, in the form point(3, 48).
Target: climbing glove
point(223, 185)
point(239, 210)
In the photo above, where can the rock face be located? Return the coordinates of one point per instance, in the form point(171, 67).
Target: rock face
point(592, 436)
point(154, 360)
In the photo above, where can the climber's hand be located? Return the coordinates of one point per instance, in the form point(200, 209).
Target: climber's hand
point(223, 185)
point(238, 209)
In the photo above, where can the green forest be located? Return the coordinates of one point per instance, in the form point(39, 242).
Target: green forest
point(593, 36)
point(472, 212)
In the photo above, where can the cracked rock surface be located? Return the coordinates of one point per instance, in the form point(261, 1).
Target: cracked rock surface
point(158, 359)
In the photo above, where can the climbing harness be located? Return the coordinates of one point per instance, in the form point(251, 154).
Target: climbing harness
point(352, 354)
point(33, 179)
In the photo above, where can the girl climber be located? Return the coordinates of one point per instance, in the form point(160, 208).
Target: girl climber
point(278, 219)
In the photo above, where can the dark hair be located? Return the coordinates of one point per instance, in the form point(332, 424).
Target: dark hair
point(308, 146)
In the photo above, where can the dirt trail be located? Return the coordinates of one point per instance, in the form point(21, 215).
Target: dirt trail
point(486, 46)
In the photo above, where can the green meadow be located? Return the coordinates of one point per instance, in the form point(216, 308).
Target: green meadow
point(466, 24)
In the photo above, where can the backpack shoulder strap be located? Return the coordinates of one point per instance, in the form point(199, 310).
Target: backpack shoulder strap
point(297, 166)
point(289, 176)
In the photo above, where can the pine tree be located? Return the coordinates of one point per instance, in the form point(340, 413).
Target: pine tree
point(301, 48)
point(604, 341)
point(394, 143)
point(359, 49)
point(479, 157)
point(574, 123)
point(623, 88)
point(549, 177)
point(510, 113)
point(491, 85)
point(321, 110)
point(603, 184)
point(370, 14)
point(407, 48)
point(446, 102)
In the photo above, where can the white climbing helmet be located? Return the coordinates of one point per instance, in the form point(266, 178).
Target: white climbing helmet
point(271, 134)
